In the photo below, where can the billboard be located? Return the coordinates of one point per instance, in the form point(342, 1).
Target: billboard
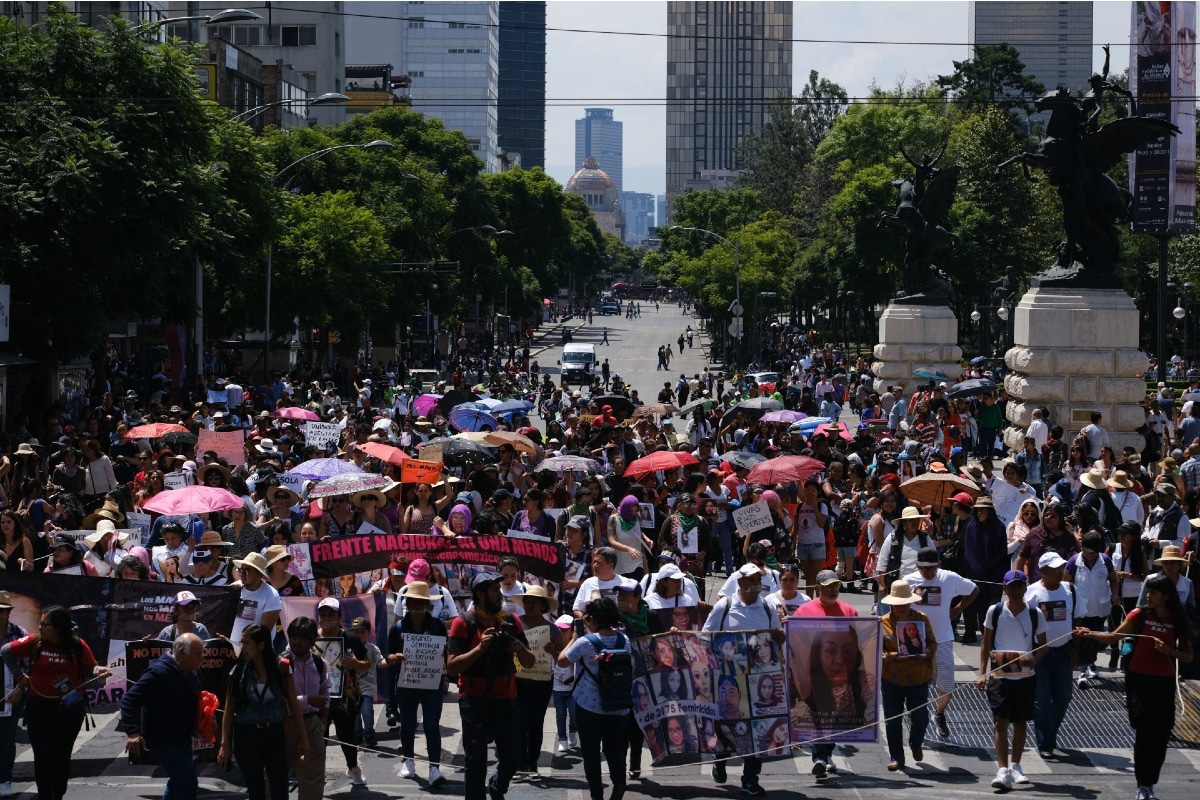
point(1162, 76)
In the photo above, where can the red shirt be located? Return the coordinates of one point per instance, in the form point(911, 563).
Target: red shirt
point(1146, 660)
point(494, 675)
point(50, 667)
point(813, 608)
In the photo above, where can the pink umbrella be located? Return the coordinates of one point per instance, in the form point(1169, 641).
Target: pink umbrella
point(385, 452)
point(192, 500)
point(296, 412)
point(426, 403)
point(835, 429)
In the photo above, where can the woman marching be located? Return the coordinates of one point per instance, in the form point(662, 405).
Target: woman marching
point(1162, 635)
point(417, 620)
point(58, 663)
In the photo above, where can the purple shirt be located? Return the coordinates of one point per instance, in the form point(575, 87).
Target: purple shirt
point(309, 682)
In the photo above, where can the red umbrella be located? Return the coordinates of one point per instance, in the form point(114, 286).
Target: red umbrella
point(155, 430)
point(385, 452)
point(835, 429)
point(296, 412)
point(662, 460)
point(192, 500)
point(784, 469)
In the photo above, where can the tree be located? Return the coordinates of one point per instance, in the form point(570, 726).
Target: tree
point(777, 156)
point(995, 76)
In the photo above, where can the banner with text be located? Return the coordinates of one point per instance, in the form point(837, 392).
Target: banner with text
point(230, 446)
point(347, 555)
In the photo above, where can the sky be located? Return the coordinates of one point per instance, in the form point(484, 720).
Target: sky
point(592, 69)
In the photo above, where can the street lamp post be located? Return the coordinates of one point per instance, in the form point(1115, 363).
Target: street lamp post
point(377, 144)
point(976, 317)
point(737, 278)
point(327, 99)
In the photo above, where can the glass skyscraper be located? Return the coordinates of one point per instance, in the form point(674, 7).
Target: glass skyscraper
point(522, 107)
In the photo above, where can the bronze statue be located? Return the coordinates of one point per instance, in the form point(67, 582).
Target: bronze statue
point(925, 201)
point(1075, 154)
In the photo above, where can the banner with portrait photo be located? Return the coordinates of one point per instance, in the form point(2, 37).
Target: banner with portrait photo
point(721, 694)
point(833, 667)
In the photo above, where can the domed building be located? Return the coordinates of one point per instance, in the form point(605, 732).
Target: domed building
point(600, 193)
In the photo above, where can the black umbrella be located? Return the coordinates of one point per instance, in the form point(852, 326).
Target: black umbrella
point(622, 406)
point(693, 405)
point(179, 441)
point(743, 458)
point(454, 397)
point(753, 408)
point(460, 452)
point(971, 388)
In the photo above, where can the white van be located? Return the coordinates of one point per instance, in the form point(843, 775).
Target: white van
point(578, 363)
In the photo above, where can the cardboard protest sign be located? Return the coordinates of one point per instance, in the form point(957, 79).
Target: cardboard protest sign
point(228, 445)
point(141, 522)
point(292, 482)
point(537, 639)
point(424, 661)
point(813, 645)
point(753, 517)
point(421, 471)
point(354, 554)
point(322, 434)
point(431, 452)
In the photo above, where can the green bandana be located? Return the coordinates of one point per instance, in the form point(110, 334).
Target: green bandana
point(637, 624)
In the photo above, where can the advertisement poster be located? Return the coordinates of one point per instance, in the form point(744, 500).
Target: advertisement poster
point(833, 666)
point(1162, 76)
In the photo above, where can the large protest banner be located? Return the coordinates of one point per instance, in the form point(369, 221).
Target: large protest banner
point(833, 667)
point(111, 612)
point(219, 658)
point(721, 693)
point(230, 446)
point(348, 555)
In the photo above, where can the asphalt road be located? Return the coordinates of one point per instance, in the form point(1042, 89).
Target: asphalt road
point(1098, 765)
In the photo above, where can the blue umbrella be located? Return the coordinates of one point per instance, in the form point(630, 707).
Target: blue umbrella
point(471, 419)
point(473, 406)
point(810, 424)
point(513, 406)
point(318, 469)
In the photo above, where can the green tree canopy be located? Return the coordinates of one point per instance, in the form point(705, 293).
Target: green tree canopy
point(995, 76)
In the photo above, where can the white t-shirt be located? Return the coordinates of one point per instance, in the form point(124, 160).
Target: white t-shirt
point(681, 600)
point(807, 529)
point(593, 588)
point(776, 601)
point(1058, 608)
point(770, 584)
point(582, 653)
point(937, 596)
point(1012, 634)
point(252, 606)
point(731, 614)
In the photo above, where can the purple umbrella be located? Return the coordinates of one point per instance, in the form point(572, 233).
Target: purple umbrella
point(318, 469)
point(783, 415)
point(472, 419)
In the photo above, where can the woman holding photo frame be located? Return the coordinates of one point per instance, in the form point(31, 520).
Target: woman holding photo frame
point(909, 648)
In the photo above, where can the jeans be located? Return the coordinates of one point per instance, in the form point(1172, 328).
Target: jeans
point(725, 531)
point(52, 733)
point(177, 761)
point(610, 732)
point(261, 755)
point(366, 717)
point(533, 697)
point(485, 718)
point(822, 751)
point(8, 742)
point(564, 707)
point(430, 703)
point(895, 699)
point(1054, 690)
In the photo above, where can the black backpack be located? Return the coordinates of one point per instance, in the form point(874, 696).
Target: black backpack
point(614, 674)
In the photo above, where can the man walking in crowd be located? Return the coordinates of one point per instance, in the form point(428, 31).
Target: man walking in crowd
point(1058, 603)
point(160, 709)
point(481, 647)
point(1014, 641)
point(311, 679)
point(344, 711)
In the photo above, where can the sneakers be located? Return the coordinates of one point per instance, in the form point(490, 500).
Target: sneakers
point(1046, 753)
point(356, 777)
point(753, 788)
point(573, 740)
point(436, 778)
point(6, 789)
point(562, 746)
point(408, 769)
point(718, 772)
point(1003, 780)
point(943, 729)
point(1143, 793)
point(820, 769)
point(1018, 776)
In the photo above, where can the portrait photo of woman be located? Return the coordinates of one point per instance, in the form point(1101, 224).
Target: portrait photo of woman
point(910, 640)
point(764, 654)
point(771, 736)
point(768, 693)
point(642, 700)
point(673, 685)
point(701, 681)
point(663, 655)
point(833, 683)
point(731, 653)
point(680, 735)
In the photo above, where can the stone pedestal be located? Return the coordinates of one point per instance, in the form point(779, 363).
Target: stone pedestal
point(915, 337)
point(1076, 351)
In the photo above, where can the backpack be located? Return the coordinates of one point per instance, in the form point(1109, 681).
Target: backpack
point(994, 614)
point(614, 674)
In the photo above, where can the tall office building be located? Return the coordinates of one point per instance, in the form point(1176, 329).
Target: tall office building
point(601, 137)
point(639, 216)
point(1053, 39)
point(451, 53)
point(521, 123)
point(726, 64)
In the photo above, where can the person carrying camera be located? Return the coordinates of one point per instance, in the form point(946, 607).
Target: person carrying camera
point(481, 647)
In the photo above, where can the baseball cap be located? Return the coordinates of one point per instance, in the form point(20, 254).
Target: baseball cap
point(928, 557)
point(827, 577)
point(185, 598)
point(963, 499)
point(1015, 576)
point(418, 570)
point(501, 494)
point(1050, 560)
point(579, 522)
point(395, 569)
point(360, 624)
point(629, 585)
point(484, 578)
point(329, 602)
point(748, 571)
point(1093, 542)
point(954, 451)
point(564, 622)
point(202, 556)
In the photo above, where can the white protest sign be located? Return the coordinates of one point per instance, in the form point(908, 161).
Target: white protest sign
point(322, 434)
point(293, 482)
point(141, 521)
point(424, 659)
point(537, 638)
point(754, 517)
point(175, 480)
point(367, 527)
point(214, 396)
